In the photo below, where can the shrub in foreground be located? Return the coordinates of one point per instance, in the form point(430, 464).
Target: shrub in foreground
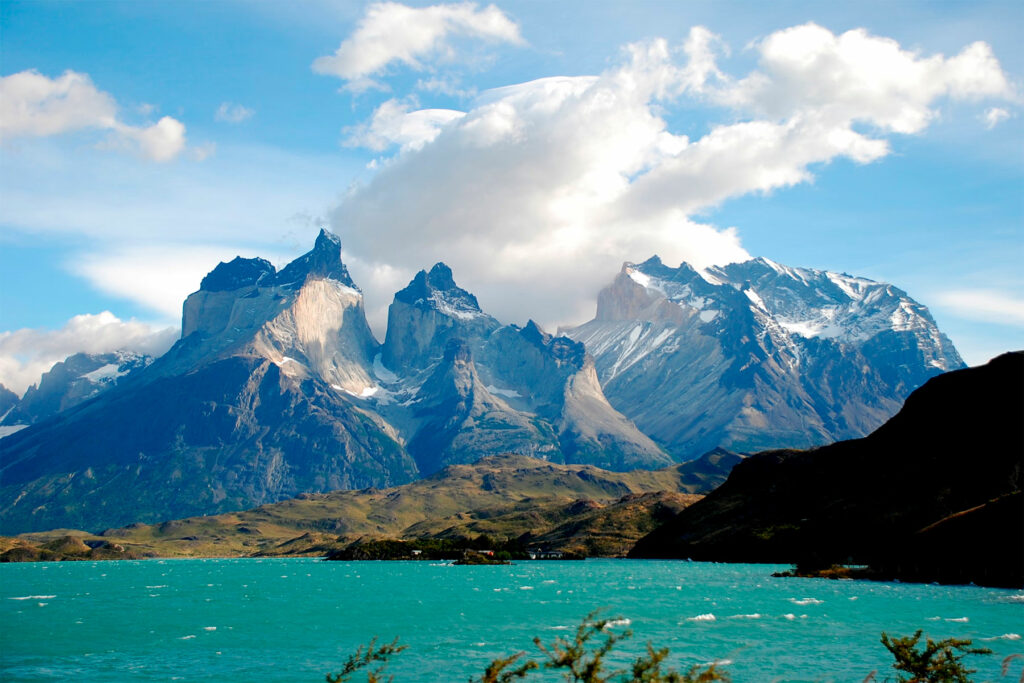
point(581, 659)
point(584, 660)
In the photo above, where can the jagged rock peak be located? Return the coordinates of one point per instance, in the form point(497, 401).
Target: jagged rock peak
point(563, 349)
point(437, 290)
point(440, 276)
point(656, 268)
point(324, 261)
point(237, 273)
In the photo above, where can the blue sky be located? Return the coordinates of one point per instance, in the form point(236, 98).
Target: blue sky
point(209, 129)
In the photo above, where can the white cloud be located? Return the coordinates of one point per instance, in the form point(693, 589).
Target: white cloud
point(158, 276)
point(985, 305)
point(393, 124)
point(26, 354)
point(162, 141)
point(228, 112)
point(538, 193)
point(390, 32)
point(856, 76)
point(993, 116)
point(33, 105)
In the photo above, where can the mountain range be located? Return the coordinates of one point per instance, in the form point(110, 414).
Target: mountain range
point(757, 355)
point(278, 386)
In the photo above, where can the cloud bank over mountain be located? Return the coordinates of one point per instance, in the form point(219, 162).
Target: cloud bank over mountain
point(27, 353)
point(549, 185)
point(536, 190)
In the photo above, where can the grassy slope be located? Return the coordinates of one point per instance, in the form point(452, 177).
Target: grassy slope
point(504, 496)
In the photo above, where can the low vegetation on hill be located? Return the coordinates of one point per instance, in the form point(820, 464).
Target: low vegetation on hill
point(578, 509)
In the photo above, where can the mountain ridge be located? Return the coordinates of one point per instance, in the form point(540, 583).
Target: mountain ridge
point(755, 355)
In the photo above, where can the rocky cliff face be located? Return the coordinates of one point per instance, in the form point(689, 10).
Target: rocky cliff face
point(76, 379)
point(431, 310)
point(477, 387)
point(463, 422)
point(233, 434)
point(757, 355)
point(309, 319)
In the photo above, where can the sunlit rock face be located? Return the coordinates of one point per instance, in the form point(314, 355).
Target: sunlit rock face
point(308, 319)
point(757, 355)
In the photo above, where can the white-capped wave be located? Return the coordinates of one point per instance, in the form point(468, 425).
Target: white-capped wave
point(1005, 636)
point(619, 622)
point(186, 638)
point(806, 601)
point(755, 615)
point(34, 597)
point(959, 620)
point(703, 617)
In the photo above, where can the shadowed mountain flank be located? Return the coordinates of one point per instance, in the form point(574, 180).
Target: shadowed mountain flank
point(933, 494)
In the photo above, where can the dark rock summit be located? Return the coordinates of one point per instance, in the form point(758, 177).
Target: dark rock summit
point(324, 261)
point(237, 273)
point(427, 313)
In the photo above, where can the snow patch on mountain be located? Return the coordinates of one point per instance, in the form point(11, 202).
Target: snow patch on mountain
point(105, 374)
point(508, 393)
point(381, 372)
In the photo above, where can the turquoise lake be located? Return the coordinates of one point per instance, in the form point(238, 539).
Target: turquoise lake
point(297, 619)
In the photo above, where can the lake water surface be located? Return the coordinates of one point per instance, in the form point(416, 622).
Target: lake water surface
point(296, 619)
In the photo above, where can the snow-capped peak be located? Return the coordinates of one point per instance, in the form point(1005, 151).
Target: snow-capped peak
point(792, 302)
